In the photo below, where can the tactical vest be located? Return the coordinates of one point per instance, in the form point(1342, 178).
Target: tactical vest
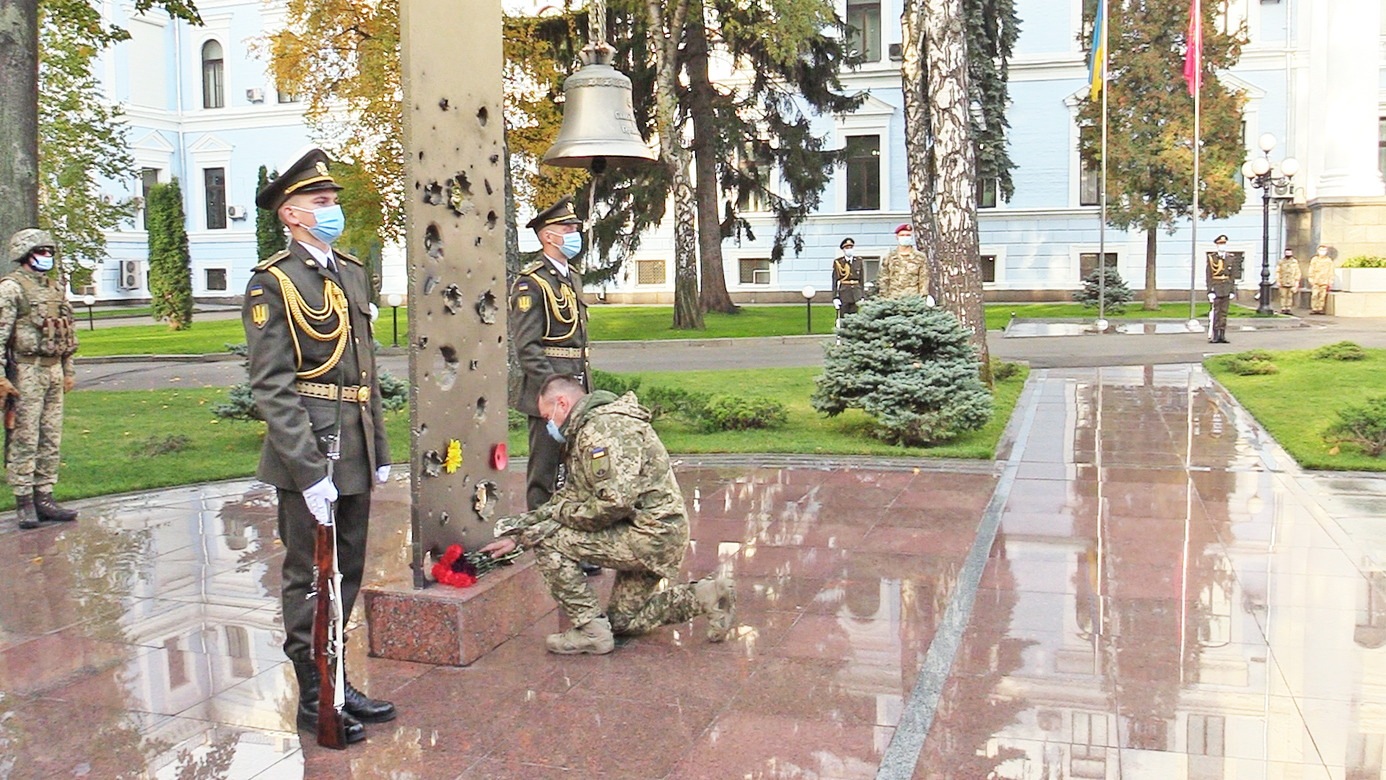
point(44, 326)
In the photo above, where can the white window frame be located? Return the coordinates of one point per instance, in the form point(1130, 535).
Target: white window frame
point(999, 251)
point(772, 275)
point(873, 118)
point(208, 152)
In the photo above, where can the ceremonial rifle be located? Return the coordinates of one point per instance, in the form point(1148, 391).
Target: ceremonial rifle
point(329, 649)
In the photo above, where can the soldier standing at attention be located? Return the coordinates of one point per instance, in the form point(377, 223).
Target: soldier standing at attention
point(307, 323)
point(36, 328)
point(1320, 277)
point(1224, 271)
point(1287, 276)
point(847, 279)
point(903, 269)
point(620, 507)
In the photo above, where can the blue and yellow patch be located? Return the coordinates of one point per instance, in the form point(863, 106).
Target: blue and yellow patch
point(599, 464)
point(257, 289)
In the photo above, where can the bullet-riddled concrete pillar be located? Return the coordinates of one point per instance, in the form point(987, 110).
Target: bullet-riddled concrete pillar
point(454, 178)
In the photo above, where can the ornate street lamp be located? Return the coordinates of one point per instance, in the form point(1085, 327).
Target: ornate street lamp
point(1264, 176)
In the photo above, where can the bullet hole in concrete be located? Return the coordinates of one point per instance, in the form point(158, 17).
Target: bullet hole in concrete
point(443, 104)
point(433, 193)
point(445, 367)
point(459, 195)
point(482, 115)
point(420, 155)
point(500, 339)
point(480, 408)
point(421, 430)
point(433, 243)
point(430, 283)
point(484, 499)
point(472, 366)
point(486, 308)
point(487, 182)
point(432, 463)
point(452, 299)
point(491, 220)
point(476, 241)
point(495, 158)
point(423, 342)
point(443, 518)
point(417, 185)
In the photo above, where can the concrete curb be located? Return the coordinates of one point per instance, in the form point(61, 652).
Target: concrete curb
point(211, 357)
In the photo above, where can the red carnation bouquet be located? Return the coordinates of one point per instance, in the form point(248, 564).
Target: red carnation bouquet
point(454, 569)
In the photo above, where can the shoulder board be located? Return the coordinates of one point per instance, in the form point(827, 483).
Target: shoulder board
point(532, 267)
point(347, 257)
point(272, 259)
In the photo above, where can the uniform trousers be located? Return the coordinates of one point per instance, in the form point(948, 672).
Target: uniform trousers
point(541, 470)
point(1219, 315)
point(1320, 298)
point(298, 532)
point(1287, 298)
point(32, 459)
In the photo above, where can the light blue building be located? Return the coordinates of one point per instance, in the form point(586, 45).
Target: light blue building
point(204, 109)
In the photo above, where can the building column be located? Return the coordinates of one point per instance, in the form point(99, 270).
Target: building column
point(1346, 96)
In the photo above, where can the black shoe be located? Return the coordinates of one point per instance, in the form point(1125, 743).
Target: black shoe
point(24, 509)
point(308, 690)
point(366, 709)
point(1220, 341)
point(590, 569)
point(49, 510)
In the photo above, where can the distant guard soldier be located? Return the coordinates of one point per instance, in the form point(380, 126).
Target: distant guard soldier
point(904, 270)
point(548, 321)
point(36, 328)
point(847, 279)
point(1287, 277)
point(1223, 272)
point(1320, 278)
point(308, 326)
point(621, 508)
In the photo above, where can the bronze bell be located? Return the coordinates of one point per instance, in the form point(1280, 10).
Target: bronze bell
point(598, 118)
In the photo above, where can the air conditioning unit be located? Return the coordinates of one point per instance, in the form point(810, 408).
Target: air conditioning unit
point(107, 198)
point(129, 278)
point(896, 53)
point(235, 212)
point(255, 95)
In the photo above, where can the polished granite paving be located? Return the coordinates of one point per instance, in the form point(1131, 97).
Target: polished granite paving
point(1165, 596)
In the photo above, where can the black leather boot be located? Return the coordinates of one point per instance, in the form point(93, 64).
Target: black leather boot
point(308, 690)
point(366, 709)
point(24, 509)
point(49, 510)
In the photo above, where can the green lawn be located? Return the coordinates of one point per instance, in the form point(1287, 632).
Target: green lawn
point(107, 436)
point(998, 314)
point(1297, 404)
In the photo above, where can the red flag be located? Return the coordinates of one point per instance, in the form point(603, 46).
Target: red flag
point(1193, 57)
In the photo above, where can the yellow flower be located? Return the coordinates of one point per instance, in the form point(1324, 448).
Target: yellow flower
point(453, 459)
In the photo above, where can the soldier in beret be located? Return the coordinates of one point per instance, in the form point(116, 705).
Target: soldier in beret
point(308, 326)
point(904, 270)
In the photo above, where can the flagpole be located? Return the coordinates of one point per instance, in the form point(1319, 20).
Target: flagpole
point(1102, 226)
point(1197, 86)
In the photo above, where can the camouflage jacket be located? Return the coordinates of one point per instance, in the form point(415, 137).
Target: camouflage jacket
point(22, 316)
point(904, 271)
point(1321, 271)
point(619, 476)
point(1288, 273)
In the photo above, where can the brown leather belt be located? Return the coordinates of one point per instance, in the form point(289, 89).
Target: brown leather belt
point(575, 353)
point(350, 393)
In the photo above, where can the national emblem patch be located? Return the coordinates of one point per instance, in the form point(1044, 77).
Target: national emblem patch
point(601, 466)
point(259, 314)
point(523, 303)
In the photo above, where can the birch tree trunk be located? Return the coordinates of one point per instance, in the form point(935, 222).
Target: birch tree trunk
point(714, 295)
point(918, 141)
point(955, 265)
point(1150, 298)
point(667, 34)
point(18, 116)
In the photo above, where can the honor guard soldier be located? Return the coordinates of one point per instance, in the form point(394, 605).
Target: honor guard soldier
point(308, 326)
point(1287, 276)
point(847, 279)
point(36, 329)
point(904, 270)
point(1224, 271)
point(548, 326)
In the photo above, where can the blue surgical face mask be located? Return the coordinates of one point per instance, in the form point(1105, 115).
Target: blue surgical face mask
point(330, 223)
point(572, 244)
point(555, 432)
point(42, 262)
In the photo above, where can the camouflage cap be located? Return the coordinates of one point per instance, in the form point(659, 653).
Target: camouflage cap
point(26, 241)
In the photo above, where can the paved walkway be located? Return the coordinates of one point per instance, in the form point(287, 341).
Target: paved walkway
point(1143, 586)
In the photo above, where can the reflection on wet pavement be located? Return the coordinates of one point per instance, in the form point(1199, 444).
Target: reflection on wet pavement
point(1166, 597)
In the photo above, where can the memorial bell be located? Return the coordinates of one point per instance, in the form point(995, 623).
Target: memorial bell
point(598, 118)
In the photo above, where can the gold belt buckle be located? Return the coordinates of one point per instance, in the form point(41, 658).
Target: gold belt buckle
point(363, 394)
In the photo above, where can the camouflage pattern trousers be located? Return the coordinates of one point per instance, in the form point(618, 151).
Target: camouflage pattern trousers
point(32, 458)
point(1287, 298)
point(638, 603)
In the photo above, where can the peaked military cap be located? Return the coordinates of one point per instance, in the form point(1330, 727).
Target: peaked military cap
point(560, 213)
point(306, 173)
point(1222, 239)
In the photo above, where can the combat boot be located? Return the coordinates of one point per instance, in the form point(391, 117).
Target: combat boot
point(592, 637)
point(24, 510)
point(49, 510)
point(717, 596)
point(366, 709)
point(309, 687)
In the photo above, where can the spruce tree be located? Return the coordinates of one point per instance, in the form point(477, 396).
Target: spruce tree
point(170, 266)
point(269, 233)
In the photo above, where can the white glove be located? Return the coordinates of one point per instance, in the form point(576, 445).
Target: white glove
point(837, 303)
point(929, 300)
point(382, 474)
point(319, 496)
point(1211, 296)
point(375, 312)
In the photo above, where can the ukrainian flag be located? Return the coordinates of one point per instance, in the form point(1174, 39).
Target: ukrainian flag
point(1098, 51)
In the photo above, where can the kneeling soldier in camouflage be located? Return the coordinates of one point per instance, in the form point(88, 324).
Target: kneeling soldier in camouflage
point(621, 509)
point(36, 328)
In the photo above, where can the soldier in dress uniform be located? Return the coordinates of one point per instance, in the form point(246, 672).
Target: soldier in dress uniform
point(1287, 276)
point(620, 507)
point(548, 326)
point(36, 329)
point(1320, 277)
point(904, 270)
point(307, 322)
point(1223, 272)
point(847, 279)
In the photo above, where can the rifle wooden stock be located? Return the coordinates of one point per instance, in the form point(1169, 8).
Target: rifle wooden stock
point(327, 649)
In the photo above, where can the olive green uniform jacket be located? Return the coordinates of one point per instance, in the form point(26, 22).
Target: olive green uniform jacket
point(548, 326)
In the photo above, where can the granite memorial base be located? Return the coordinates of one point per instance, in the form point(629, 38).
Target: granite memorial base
point(454, 626)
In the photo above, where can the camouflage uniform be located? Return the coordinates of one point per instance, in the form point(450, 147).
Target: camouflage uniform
point(619, 508)
point(904, 271)
point(1287, 276)
point(34, 313)
point(1320, 277)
